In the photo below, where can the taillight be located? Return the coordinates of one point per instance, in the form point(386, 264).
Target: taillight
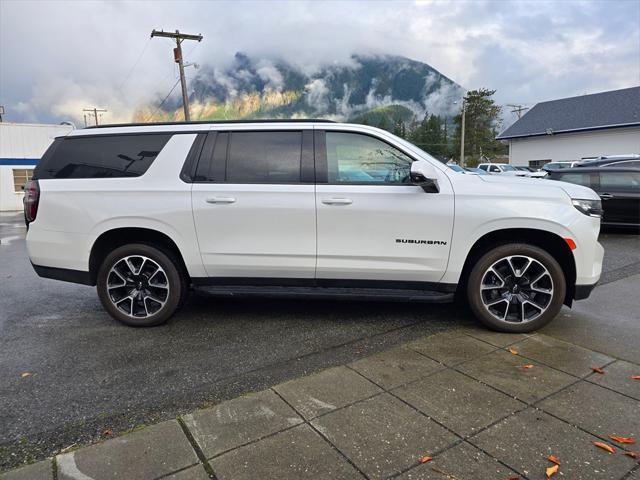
point(31, 199)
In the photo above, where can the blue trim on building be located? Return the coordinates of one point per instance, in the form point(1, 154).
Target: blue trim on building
point(19, 161)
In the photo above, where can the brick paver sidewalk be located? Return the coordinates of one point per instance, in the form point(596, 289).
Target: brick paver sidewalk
point(464, 398)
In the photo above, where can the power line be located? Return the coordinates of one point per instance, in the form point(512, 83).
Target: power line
point(94, 111)
point(517, 109)
point(162, 103)
point(134, 65)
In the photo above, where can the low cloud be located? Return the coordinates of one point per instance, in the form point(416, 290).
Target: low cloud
point(98, 53)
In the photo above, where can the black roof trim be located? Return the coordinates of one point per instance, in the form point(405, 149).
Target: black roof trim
point(213, 122)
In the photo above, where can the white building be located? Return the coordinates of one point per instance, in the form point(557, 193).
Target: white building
point(21, 146)
point(576, 128)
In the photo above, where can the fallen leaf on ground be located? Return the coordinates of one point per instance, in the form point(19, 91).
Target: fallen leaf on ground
point(632, 454)
point(425, 459)
point(512, 351)
point(551, 471)
point(554, 459)
point(26, 374)
point(107, 431)
point(629, 440)
point(597, 370)
point(604, 446)
point(527, 366)
point(635, 377)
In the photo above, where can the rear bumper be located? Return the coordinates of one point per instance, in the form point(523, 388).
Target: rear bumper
point(64, 274)
point(583, 291)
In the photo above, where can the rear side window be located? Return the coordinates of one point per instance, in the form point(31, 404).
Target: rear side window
point(107, 156)
point(264, 157)
point(627, 181)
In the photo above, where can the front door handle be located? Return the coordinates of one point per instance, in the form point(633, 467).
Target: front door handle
point(337, 201)
point(221, 200)
point(606, 196)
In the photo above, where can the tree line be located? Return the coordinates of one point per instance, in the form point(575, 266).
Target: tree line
point(440, 135)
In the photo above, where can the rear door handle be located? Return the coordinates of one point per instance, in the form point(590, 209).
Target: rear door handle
point(221, 200)
point(337, 201)
point(606, 196)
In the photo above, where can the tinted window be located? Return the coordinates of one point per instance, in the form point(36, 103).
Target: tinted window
point(355, 158)
point(493, 168)
point(101, 156)
point(483, 167)
point(577, 178)
point(264, 157)
point(626, 163)
point(628, 181)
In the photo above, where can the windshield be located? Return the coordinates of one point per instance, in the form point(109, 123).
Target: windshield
point(508, 168)
point(457, 168)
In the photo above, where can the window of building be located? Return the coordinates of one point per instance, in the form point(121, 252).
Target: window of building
point(20, 177)
point(538, 163)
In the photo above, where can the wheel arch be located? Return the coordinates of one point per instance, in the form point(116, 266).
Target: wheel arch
point(117, 237)
point(548, 241)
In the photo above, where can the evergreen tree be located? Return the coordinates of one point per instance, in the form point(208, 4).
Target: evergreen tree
point(482, 125)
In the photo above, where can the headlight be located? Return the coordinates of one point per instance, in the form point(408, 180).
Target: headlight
point(593, 208)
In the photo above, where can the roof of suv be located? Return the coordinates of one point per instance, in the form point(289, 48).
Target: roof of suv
point(568, 171)
point(214, 122)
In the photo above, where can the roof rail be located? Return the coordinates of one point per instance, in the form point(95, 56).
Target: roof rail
point(215, 122)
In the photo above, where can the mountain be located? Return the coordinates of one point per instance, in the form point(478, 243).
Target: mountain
point(380, 89)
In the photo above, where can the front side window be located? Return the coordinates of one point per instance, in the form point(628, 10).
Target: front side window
point(356, 158)
point(264, 157)
point(483, 167)
point(578, 178)
point(102, 156)
point(494, 169)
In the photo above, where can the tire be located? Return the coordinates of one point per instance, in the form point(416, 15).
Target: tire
point(516, 288)
point(141, 285)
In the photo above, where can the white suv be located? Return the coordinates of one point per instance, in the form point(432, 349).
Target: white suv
point(302, 208)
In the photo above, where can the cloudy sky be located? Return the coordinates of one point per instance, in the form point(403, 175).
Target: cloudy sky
point(58, 57)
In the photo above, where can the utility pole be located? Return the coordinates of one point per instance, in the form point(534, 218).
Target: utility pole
point(94, 111)
point(517, 109)
point(177, 56)
point(464, 114)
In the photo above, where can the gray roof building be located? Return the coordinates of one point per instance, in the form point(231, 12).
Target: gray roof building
point(598, 111)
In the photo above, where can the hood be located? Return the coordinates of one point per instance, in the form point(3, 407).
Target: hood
point(571, 189)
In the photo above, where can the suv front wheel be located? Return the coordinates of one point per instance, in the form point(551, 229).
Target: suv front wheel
point(516, 288)
point(140, 285)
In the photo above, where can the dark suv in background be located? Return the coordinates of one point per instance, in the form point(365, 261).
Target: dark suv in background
point(618, 187)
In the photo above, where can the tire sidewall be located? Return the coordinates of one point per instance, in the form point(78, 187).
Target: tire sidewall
point(170, 267)
point(492, 256)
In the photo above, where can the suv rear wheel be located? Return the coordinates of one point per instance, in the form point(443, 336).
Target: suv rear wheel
point(516, 288)
point(140, 285)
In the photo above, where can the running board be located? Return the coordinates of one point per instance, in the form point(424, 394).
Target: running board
point(379, 294)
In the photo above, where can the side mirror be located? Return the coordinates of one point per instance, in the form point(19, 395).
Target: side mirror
point(424, 175)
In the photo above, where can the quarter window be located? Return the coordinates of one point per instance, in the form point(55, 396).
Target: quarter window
point(104, 156)
point(356, 158)
point(264, 157)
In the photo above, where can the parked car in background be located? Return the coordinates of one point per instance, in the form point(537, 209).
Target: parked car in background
point(305, 208)
point(501, 169)
point(456, 168)
point(524, 169)
point(624, 161)
point(477, 171)
point(619, 189)
point(547, 167)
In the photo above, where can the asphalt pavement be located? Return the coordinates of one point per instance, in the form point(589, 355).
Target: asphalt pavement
point(88, 373)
